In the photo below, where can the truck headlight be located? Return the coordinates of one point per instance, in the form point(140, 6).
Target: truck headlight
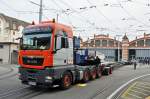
point(48, 78)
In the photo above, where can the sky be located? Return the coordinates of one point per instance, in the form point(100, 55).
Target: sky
point(87, 17)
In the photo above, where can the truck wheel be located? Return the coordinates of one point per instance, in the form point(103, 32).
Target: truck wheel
point(66, 80)
point(86, 76)
point(110, 70)
point(93, 74)
point(99, 73)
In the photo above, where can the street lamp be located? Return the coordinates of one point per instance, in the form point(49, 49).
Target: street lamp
point(118, 36)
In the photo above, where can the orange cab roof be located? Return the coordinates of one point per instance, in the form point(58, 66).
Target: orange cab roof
point(56, 26)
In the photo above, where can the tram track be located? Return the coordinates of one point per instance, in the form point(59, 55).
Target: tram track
point(101, 90)
point(21, 93)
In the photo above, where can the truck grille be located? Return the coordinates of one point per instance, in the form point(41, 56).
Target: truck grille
point(37, 61)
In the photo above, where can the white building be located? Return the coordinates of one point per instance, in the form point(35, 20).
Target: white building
point(10, 29)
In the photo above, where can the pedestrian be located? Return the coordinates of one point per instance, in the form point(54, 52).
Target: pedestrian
point(97, 60)
point(135, 64)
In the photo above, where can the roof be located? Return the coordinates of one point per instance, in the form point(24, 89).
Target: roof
point(125, 37)
point(12, 21)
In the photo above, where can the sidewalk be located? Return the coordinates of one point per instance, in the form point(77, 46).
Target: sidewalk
point(139, 66)
point(4, 70)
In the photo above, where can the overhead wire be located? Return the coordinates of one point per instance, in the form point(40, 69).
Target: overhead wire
point(101, 13)
point(68, 15)
point(129, 14)
point(11, 8)
point(66, 4)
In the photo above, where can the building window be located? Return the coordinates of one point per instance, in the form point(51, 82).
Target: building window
point(13, 32)
point(140, 43)
point(14, 26)
point(97, 43)
point(1, 46)
point(111, 43)
point(147, 42)
point(104, 42)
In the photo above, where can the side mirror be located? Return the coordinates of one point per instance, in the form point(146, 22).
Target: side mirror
point(19, 38)
point(58, 43)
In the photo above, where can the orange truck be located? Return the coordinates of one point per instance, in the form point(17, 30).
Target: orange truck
point(50, 55)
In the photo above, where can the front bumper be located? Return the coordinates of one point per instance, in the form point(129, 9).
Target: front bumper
point(36, 77)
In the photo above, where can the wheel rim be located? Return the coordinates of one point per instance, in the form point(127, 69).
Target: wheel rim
point(99, 73)
point(86, 76)
point(67, 81)
point(110, 71)
point(94, 74)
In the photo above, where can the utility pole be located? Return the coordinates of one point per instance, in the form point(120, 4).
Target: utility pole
point(57, 17)
point(41, 11)
point(118, 47)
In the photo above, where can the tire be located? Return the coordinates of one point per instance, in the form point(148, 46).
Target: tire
point(99, 73)
point(66, 81)
point(93, 74)
point(110, 70)
point(107, 71)
point(86, 76)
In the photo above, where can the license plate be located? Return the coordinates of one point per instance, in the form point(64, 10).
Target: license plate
point(32, 83)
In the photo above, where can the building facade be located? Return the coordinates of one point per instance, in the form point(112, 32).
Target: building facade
point(125, 49)
point(10, 30)
point(104, 44)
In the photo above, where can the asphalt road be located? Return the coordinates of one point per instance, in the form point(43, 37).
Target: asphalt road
point(11, 88)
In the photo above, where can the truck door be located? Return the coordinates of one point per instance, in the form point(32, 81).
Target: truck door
point(61, 45)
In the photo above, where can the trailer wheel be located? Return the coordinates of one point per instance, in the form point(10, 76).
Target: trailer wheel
point(86, 76)
point(66, 81)
point(93, 74)
point(99, 72)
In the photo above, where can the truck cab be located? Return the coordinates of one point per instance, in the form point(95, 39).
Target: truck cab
point(46, 45)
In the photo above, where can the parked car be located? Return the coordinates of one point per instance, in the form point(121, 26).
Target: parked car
point(125, 62)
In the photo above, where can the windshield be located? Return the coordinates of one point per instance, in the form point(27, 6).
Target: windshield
point(36, 40)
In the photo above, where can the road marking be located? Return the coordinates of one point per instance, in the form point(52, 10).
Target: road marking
point(146, 84)
point(139, 92)
point(136, 93)
point(127, 91)
point(81, 85)
point(142, 89)
point(124, 85)
point(147, 97)
point(135, 96)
